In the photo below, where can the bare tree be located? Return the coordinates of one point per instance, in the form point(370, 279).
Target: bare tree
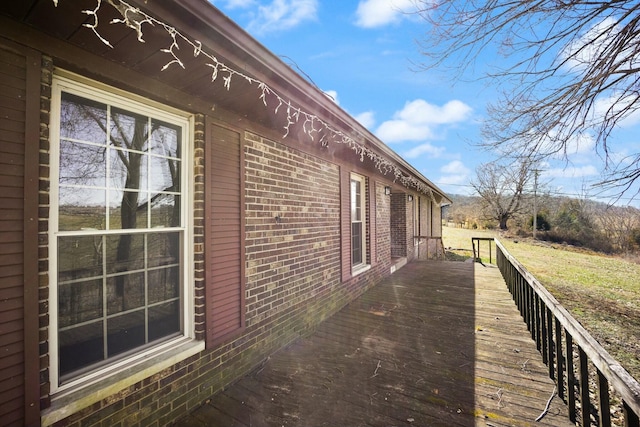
point(502, 189)
point(568, 72)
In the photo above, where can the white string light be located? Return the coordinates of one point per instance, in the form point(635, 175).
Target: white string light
point(134, 18)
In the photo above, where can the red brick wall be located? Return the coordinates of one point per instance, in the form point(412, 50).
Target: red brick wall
point(398, 224)
point(292, 229)
point(383, 226)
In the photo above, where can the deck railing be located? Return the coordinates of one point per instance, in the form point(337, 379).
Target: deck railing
point(476, 254)
point(570, 351)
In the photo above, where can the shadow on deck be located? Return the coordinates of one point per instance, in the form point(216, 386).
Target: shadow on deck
point(435, 344)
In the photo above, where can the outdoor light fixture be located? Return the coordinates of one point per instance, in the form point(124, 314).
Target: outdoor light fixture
point(387, 190)
point(410, 198)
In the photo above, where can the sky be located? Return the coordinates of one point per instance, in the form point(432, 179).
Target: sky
point(366, 56)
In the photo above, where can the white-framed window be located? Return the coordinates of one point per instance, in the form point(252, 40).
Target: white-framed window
point(358, 221)
point(120, 240)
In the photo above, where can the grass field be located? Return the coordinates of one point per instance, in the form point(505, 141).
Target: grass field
point(602, 292)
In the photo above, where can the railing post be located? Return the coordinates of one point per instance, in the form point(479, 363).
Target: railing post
point(473, 246)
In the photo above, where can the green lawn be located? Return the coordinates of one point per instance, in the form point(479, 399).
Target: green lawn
point(602, 292)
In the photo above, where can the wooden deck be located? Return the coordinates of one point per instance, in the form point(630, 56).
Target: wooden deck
point(435, 344)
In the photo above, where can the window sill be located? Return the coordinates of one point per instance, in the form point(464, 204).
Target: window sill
point(68, 402)
point(359, 269)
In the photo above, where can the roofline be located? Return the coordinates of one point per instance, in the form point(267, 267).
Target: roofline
point(215, 19)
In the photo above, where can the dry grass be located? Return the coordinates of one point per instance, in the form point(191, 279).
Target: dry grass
point(602, 292)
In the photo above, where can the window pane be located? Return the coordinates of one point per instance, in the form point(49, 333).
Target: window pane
point(79, 257)
point(128, 169)
point(164, 320)
point(128, 130)
point(125, 292)
point(125, 332)
point(165, 139)
point(164, 249)
point(125, 252)
point(79, 302)
point(165, 210)
point(164, 284)
point(81, 208)
point(80, 347)
point(354, 199)
point(356, 243)
point(82, 164)
point(83, 119)
point(165, 174)
point(127, 210)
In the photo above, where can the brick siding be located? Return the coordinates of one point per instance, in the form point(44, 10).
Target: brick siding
point(43, 229)
point(398, 224)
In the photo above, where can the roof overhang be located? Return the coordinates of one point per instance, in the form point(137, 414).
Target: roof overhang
point(192, 47)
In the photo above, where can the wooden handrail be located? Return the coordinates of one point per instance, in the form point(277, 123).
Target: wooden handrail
point(544, 314)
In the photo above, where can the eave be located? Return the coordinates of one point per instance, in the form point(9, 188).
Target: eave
point(222, 39)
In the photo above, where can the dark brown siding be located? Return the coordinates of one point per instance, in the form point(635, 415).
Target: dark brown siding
point(225, 315)
point(19, 112)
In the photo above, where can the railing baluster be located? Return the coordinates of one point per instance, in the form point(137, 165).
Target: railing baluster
point(559, 359)
point(584, 388)
point(571, 379)
point(603, 401)
point(532, 311)
point(544, 333)
point(630, 418)
point(538, 322)
point(550, 346)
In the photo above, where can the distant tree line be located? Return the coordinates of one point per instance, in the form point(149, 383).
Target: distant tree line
point(577, 222)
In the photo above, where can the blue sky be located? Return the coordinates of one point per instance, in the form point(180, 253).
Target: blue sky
point(365, 55)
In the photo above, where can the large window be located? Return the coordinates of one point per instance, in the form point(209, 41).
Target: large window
point(119, 229)
point(358, 221)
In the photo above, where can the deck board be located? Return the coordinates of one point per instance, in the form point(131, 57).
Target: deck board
point(435, 344)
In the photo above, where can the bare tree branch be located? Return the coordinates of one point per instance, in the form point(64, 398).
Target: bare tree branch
point(568, 72)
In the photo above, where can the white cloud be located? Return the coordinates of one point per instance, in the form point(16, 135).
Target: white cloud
point(455, 167)
point(419, 119)
point(281, 15)
point(581, 144)
point(584, 50)
point(615, 104)
point(377, 13)
point(454, 173)
point(426, 148)
point(333, 95)
point(366, 119)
